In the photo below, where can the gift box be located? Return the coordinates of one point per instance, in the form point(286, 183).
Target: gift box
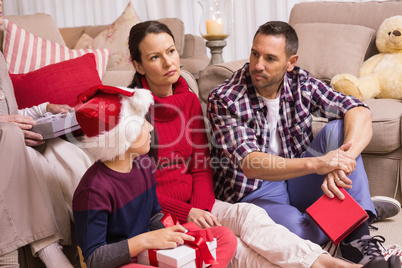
point(183, 256)
point(54, 125)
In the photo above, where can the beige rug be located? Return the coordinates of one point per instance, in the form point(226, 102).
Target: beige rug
point(390, 229)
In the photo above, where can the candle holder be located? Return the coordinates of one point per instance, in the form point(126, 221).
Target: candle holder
point(215, 26)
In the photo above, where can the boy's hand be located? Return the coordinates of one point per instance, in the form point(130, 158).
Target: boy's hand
point(167, 237)
point(159, 239)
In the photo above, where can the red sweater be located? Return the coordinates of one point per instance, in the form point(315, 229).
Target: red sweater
point(184, 177)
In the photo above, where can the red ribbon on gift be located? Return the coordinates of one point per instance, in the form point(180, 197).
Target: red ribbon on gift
point(202, 253)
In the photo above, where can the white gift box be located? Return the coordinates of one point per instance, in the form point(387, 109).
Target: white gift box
point(54, 125)
point(181, 257)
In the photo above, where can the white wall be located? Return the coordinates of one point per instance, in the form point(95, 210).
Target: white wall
point(247, 15)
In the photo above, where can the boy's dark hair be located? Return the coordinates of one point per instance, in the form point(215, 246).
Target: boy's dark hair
point(280, 28)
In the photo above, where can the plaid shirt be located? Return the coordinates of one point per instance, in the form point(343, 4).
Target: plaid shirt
point(237, 116)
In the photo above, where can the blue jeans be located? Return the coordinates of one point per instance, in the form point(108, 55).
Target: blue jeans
point(286, 201)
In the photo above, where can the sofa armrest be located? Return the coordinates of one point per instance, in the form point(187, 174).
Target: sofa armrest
point(194, 57)
point(192, 83)
point(193, 46)
point(118, 78)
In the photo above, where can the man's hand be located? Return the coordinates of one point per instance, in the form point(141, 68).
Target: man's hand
point(332, 181)
point(25, 123)
point(338, 178)
point(202, 218)
point(57, 108)
point(337, 159)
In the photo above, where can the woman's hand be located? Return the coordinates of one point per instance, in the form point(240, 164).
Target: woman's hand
point(202, 218)
point(57, 108)
point(25, 123)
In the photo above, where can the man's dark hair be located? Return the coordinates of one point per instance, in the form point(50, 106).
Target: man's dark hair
point(280, 28)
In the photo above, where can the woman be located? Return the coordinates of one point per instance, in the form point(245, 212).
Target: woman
point(184, 175)
point(35, 187)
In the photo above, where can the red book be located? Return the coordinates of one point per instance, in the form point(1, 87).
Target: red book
point(337, 218)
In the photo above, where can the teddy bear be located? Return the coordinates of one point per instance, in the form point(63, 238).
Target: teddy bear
point(380, 76)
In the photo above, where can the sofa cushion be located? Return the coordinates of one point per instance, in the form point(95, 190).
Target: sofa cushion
point(35, 24)
point(58, 83)
point(327, 49)
point(71, 35)
point(115, 38)
point(387, 126)
point(25, 52)
point(368, 13)
point(84, 41)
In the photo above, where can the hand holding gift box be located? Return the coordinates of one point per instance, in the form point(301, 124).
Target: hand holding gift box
point(54, 125)
point(198, 253)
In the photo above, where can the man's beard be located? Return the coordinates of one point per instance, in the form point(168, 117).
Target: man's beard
point(270, 80)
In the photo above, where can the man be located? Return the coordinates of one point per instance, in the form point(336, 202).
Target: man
point(261, 122)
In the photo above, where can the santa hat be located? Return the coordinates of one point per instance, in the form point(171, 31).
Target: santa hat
point(111, 118)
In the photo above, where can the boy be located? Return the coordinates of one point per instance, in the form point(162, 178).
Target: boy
point(115, 205)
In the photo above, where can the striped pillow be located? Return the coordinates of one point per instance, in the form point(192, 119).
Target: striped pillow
point(25, 52)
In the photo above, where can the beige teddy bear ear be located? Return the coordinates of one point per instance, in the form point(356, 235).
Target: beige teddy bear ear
point(358, 88)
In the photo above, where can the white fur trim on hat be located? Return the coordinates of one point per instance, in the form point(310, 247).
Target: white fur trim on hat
point(109, 144)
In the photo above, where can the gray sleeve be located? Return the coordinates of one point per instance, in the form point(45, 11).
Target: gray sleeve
point(155, 221)
point(110, 255)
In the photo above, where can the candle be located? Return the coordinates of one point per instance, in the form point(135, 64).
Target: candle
point(214, 27)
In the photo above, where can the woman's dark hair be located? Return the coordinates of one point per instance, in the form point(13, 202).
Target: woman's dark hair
point(137, 33)
point(281, 28)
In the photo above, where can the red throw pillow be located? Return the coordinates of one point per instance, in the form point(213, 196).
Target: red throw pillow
point(58, 83)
